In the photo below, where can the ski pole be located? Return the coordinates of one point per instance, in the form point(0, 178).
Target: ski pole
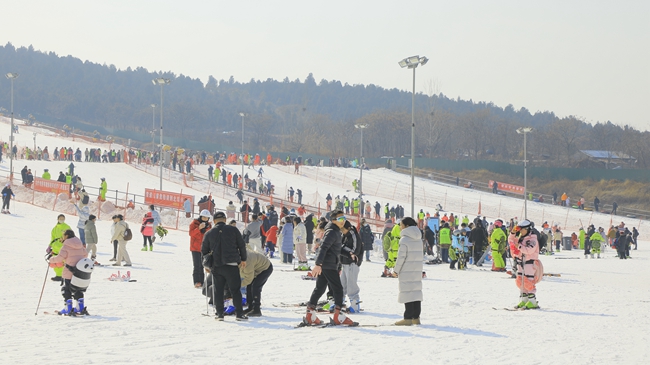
point(523, 261)
point(214, 304)
point(207, 312)
point(42, 290)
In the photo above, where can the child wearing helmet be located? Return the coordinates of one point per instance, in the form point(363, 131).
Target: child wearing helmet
point(525, 251)
point(198, 228)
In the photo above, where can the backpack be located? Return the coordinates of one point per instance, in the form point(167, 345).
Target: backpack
point(86, 199)
point(541, 238)
point(128, 235)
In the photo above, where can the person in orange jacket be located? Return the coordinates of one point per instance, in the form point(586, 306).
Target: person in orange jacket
point(198, 228)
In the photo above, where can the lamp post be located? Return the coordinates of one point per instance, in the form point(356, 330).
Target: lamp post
point(361, 127)
point(524, 131)
point(413, 62)
point(153, 128)
point(242, 114)
point(12, 76)
point(162, 82)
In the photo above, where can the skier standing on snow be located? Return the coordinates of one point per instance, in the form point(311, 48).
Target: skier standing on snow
point(409, 271)
point(326, 272)
point(84, 213)
point(498, 244)
point(525, 250)
point(226, 245)
point(156, 220)
point(351, 259)
point(91, 236)
point(117, 230)
point(7, 193)
point(198, 228)
point(147, 231)
point(72, 251)
point(102, 190)
point(56, 242)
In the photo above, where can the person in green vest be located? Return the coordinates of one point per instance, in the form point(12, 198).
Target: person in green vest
point(68, 178)
point(56, 242)
point(466, 220)
point(217, 172)
point(456, 221)
point(46, 174)
point(386, 211)
point(581, 238)
point(498, 244)
point(355, 205)
point(346, 205)
point(354, 184)
point(102, 190)
point(445, 242)
point(421, 216)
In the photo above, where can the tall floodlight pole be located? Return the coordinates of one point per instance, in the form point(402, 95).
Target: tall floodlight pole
point(162, 82)
point(12, 76)
point(360, 183)
point(242, 114)
point(525, 131)
point(153, 128)
point(413, 62)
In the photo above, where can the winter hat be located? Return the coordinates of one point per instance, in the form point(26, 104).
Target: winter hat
point(205, 213)
point(498, 223)
point(524, 224)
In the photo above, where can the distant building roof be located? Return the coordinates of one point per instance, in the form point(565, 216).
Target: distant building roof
point(607, 155)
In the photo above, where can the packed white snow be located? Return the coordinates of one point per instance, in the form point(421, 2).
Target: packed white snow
point(595, 313)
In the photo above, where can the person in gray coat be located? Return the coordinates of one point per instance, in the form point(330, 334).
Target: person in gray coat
point(409, 271)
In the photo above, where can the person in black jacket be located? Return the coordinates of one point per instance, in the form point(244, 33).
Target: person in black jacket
point(367, 237)
point(326, 272)
point(351, 258)
point(309, 226)
point(228, 250)
point(430, 238)
point(273, 216)
point(478, 236)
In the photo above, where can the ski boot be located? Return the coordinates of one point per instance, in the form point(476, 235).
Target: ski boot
point(310, 318)
point(354, 307)
point(523, 301)
point(598, 255)
point(329, 306)
point(228, 308)
point(144, 248)
point(341, 319)
point(150, 247)
point(592, 255)
point(532, 302)
point(67, 310)
point(81, 309)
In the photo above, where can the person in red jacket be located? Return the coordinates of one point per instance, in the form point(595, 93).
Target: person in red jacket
point(198, 228)
point(271, 238)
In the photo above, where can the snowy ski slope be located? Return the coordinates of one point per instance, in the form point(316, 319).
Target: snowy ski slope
point(595, 313)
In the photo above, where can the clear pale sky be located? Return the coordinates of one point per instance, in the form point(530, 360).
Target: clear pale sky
point(590, 59)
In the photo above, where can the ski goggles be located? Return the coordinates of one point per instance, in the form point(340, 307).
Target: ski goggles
point(341, 219)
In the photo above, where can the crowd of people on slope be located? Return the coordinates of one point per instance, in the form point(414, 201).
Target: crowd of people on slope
point(565, 201)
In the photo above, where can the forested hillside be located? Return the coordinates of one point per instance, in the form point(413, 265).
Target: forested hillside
point(298, 116)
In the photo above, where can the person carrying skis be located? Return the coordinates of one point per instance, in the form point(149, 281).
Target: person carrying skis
point(146, 229)
point(56, 242)
point(7, 193)
point(525, 250)
point(326, 273)
point(72, 251)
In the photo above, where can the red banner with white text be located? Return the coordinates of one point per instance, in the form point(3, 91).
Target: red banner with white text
point(507, 187)
point(50, 186)
point(166, 199)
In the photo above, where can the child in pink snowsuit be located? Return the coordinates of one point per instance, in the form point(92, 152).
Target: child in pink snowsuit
point(525, 249)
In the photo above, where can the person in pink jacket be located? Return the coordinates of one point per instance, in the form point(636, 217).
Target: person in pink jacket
point(72, 252)
point(525, 250)
point(147, 231)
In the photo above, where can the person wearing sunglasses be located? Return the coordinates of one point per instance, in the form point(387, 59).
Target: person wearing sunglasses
point(326, 272)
